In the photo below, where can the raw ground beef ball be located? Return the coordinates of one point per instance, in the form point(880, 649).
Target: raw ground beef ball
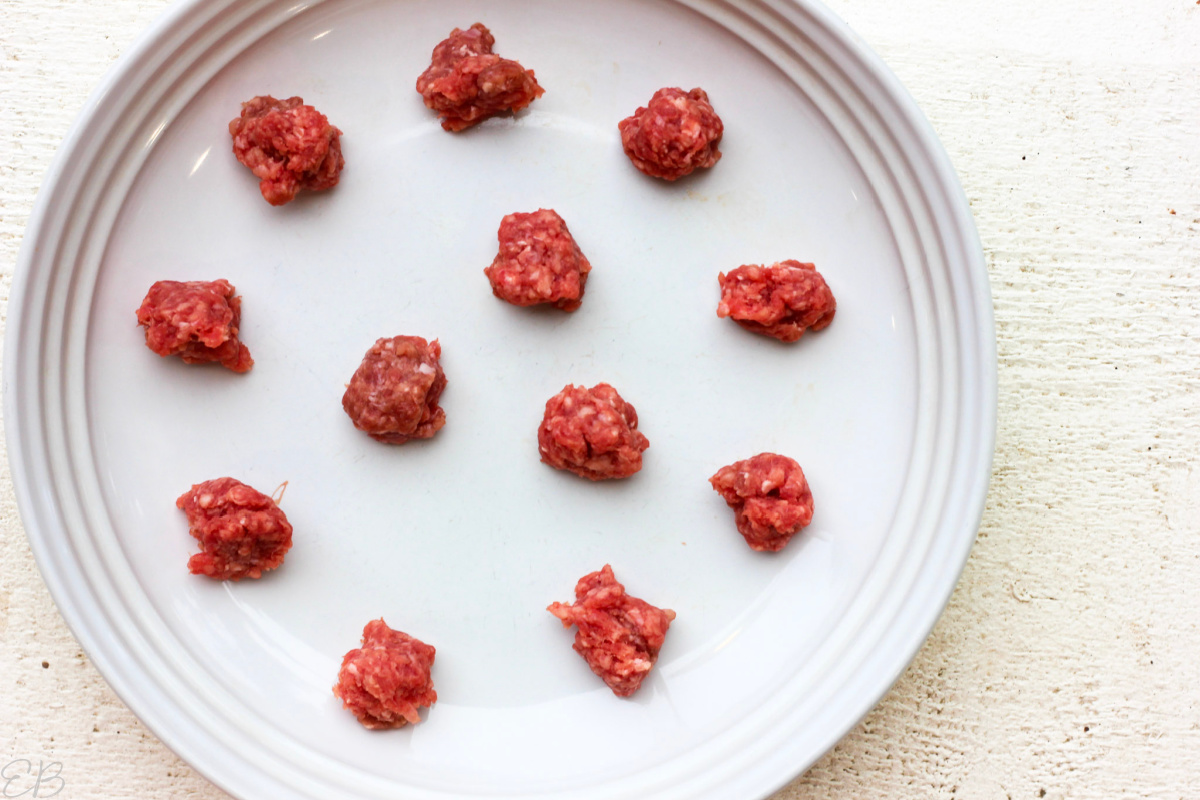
point(466, 83)
point(538, 262)
point(769, 496)
point(781, 301)
point(591, 432)
point(675, 134)
point(241, 531)
point(384, 681)
point(394, 393)
point(619, 636)
point(287, 145)
point(197, 321)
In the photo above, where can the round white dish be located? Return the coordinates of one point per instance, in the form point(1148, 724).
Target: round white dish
point(463, 540)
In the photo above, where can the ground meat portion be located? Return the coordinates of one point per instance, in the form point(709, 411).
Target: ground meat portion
point(538, 262)
point(241, 531)
point(394, 393)
point(675, 134)
point(769, 496)
point(591, 432)
point(387, 679)
point(466, 82)
point(197, 321)
point(619, 636)
point(782, 300)
point(287, 145)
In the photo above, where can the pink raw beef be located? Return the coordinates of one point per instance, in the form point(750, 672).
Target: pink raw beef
point(676, 133)
point(387, 679)
point(591, 432)
point(619, 636)
point(769, 496)
point(466, 82)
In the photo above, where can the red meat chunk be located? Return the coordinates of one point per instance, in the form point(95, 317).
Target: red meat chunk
point(466, 82)
point(538, 262)
point(675, 134)
point(241, 531)
point(782, 300)
point(769, 496)
point(197, 321)
point(384, 681)
point(619, 636)
point(394, 393)
point(591, 432)
point(288, 146)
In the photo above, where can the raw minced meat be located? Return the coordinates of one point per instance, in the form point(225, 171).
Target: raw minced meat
point(197, 321)
point(538, 262)
point(619, 636)
point(466, 82)
point(387, 679)
point(591, 432)
point(770, 498)
point(393, 395)
point(781, 301)
point(241, 531)
point(288, 146)
point(676, 133)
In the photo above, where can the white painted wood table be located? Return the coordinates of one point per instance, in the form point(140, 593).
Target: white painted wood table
point(1068, 662)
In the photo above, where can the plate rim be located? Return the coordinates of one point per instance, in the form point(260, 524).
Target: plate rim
point(154, 39)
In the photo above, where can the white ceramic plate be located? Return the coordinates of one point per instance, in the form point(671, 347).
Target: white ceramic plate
point(463, 540)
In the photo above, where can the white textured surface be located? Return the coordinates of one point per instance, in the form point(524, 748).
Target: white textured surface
point(1068, 663)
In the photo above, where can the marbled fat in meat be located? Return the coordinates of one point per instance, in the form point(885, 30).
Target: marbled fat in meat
point(466, 82)
point(618, 635)
point(242, 532)
point(394, 393)
point(781, 301)
point(288, 146)
point(591, 432)
point(769, 496)
point(673, 135)
point(387, 679)
point(197, 321)
point(538, 262)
